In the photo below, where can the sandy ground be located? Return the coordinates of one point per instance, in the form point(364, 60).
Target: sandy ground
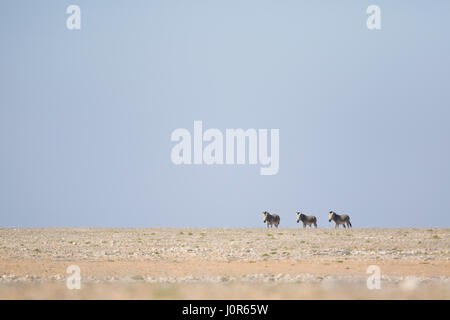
point(225, 263)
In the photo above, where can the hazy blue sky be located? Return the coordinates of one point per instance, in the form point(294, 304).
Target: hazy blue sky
point(86, 116)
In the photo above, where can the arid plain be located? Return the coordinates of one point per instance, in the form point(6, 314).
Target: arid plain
point(225, 263)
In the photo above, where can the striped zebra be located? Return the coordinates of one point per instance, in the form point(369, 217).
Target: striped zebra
point(307, 220)
point(271, 219)
point(338, 219)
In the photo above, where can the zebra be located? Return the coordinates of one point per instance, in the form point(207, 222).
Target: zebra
point(338, 219)
point(307, 220)
point(271, 219)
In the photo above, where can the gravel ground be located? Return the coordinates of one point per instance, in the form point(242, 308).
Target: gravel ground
point(225, 263)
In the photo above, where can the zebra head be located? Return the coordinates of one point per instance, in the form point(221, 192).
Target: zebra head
point(331, 216)
point(265, 213)
point(299, 215)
